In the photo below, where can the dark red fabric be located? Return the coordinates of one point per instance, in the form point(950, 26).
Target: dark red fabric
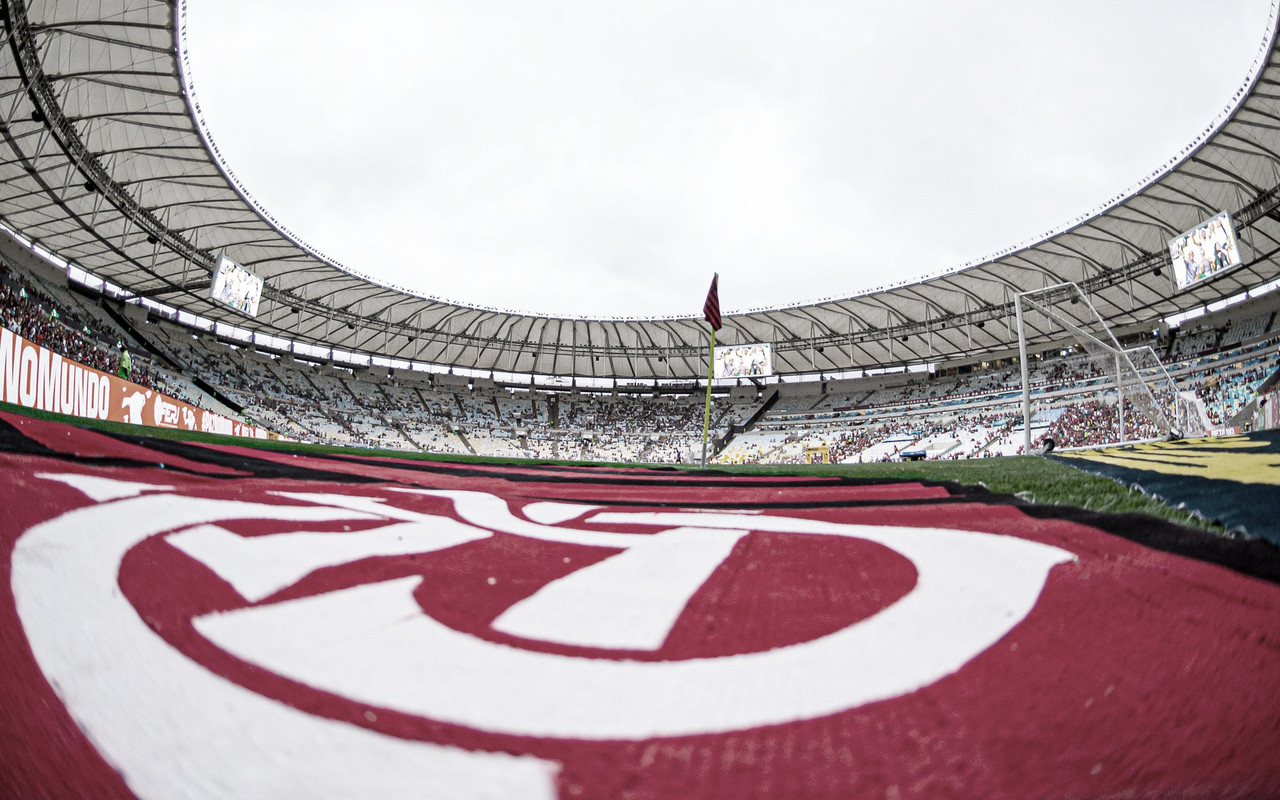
point(1139, 673)
point(90, 444)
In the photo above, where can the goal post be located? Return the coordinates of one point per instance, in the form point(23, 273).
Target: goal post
point(1140, 381)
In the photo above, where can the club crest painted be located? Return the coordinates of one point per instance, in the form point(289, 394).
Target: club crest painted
point(548, 639)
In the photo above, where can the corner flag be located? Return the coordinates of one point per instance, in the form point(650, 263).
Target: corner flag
point(711, 313)
point(711, 308)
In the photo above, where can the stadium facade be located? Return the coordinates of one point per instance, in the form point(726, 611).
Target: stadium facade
point(106, 165)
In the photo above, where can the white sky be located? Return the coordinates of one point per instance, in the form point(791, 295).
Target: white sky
point(595, 158)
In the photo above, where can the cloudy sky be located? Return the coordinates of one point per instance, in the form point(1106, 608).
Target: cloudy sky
point(604, 159)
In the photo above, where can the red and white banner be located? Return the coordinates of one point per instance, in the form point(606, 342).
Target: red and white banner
point(35, 377)
point(249, 624)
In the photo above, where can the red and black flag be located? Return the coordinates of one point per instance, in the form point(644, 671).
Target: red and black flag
point(711, 308)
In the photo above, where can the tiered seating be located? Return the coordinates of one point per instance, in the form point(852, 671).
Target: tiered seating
point(889, 446)
point(1248, 329)
point(433, 437)
point(1230, 384)
point(973, 413)
point(26, 309)
point(1192, 344)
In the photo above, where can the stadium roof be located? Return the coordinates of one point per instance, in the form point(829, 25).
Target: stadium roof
point(103, 163)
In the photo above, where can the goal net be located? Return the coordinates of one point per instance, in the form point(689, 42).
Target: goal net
point(1148, 403)
point(1187, 413)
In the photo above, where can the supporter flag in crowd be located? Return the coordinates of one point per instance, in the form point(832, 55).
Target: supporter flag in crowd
point(711, 308)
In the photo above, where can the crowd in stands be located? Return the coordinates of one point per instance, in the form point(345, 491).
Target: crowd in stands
point(975, 414)
point(329, 403)
point(978, 414)
point(1226, 390)
point(1094, 422)
point(33, 315)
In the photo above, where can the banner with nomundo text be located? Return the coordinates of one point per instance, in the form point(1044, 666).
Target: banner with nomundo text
point(35, 377)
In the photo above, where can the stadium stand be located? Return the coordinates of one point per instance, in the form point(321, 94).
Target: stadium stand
point(977, 415)
point(1221, 360)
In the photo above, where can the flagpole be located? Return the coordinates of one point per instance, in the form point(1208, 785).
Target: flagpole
point(711, 313)
point(706, 411)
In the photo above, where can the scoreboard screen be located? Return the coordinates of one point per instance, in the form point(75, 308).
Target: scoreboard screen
point(235, 286)
point(743, 361)
point(1206, 250)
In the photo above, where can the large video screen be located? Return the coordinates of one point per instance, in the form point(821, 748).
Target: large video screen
point(743, 361)
point(1204, 251)
point(236, 286)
